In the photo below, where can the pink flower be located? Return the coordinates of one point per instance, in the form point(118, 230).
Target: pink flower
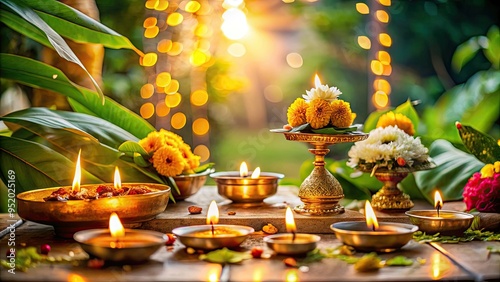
point(483, 194)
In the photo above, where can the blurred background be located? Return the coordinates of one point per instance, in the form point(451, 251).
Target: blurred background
point(222, 73)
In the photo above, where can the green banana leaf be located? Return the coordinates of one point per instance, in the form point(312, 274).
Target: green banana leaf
point(454, 168)
point(45, 167)
point(23, 27)
point(37, 74)
point(60, 46)
point(85, 125)
point(77, 26)
point(406, 109)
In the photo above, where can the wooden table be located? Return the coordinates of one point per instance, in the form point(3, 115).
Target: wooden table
point(458, 262)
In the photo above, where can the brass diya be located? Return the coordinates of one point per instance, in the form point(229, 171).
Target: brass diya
point(241, 189)
point(136, 246)
point(390, 198)
point(189, 184)
point(446, 223)
point(321, 192)
point(388, 237)
point(288, 244)
point(200, 236)
point(70, 216)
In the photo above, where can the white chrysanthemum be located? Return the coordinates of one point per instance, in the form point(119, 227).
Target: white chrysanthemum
point(322, 92)
point(384, 146)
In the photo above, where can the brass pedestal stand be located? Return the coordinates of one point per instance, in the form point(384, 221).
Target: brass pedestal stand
point(321, 192)
point(390, 198)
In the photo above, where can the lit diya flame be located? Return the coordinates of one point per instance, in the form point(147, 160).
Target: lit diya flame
point(256, 173)
point(438, 202)
point(75, 188)
point(115, 227)
point(290, 223)
point(243, 169)
point(118, 180)
point(317, 82)
point(213, 215)
point(371, 219)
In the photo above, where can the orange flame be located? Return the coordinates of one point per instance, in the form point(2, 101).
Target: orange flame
point(115, 226)
point(290, 222)
point(317, 81)
point(438, 201)
point(256, 173)
point(371, 219)
point(243, 169)
point(118, 180)
point(75, 187)
point(213, 213)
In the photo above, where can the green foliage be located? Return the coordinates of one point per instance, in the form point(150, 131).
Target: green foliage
point(490, 44)
point(36, 74)
point(483, 146)
point(224, 256)
point(454, 168)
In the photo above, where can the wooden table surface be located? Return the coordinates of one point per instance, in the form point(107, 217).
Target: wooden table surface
point(469, 261)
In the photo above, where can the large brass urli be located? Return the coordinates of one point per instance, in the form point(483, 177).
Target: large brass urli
point(71, 216)
point(321, 192)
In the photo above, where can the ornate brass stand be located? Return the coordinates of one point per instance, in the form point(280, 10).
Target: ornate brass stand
point(390, 198)
point(321, 192)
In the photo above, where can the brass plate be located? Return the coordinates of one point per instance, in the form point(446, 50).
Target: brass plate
point(189, 184)
point(319, 139)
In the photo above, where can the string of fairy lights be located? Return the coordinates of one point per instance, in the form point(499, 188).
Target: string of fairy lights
point(180, 42)
point(181, 37)
point(380, 64)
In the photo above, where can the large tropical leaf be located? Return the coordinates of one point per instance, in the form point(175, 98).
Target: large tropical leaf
point(37, 74)
point(85, 125)
point(60, 46)
point(36, 166)
point(484, 147)
point(454, 168)
point(21, 26)
point(77, 26)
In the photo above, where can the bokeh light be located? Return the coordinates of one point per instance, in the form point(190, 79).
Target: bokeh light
point(203, 152)
point(162, 109)
point(172, 87)
point(147, 90)
point(164, 45)
point(199, 97)
point(148, 60)
point(235, 24)
point(294, 60)
point(178, 120)
point(147, 110)
point(377, 67)
point(273, 93)
point(382, 16)
point(200, 126)
point(364, 42)
point(175, 19)
point(236, 49)
point(385, 39)
point(362, 8)
point(173, 100)
point(380, 100)
point(163, 79)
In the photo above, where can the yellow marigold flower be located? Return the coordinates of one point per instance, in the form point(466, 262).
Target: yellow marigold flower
point(318, 113)
point(296, 114)
point(169, 136)
point(399, 120)
point(192, 160)
point(341, 114)
point(168, 161)
point(497, 166)
point(152, 142)
point(488, 171)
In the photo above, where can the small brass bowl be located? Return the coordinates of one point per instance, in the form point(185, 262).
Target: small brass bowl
point(246, 189)
point(189, 184)
point(136, 246)
point(67, 217)
point(190, 236)
point(284, 244)
point(448, 222)
point(388, 238)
